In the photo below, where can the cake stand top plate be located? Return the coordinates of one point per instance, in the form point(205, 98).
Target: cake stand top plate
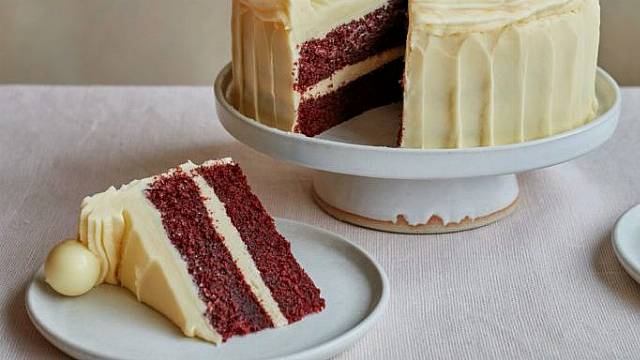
point(362, 145)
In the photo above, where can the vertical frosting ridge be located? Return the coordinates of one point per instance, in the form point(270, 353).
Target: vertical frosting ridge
point(521, 82)
point(263, 62)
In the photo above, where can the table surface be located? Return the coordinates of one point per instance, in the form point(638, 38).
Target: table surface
point(541, 283)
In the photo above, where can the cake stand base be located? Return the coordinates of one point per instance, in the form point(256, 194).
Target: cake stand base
point(416, 206)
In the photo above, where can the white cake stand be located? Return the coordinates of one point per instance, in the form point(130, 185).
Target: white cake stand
point(364, 181)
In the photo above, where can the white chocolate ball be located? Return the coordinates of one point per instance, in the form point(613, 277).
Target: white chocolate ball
point(71, 269)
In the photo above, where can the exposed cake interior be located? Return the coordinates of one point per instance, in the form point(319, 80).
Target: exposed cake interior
point(232, 308)
point(379, 87)
point(289, 284)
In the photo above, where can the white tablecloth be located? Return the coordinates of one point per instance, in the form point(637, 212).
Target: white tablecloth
point(541, 283)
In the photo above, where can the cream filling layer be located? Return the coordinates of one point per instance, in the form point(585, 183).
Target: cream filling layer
point(520, 82)
point(352, 72)
point(126, 232)
point(238, 249)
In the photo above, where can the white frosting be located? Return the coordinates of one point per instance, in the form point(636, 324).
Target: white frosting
point(263, 68)
point(523, 81)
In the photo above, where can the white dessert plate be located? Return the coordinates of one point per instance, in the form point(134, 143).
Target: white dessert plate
point(108, 322)
point(626, 241)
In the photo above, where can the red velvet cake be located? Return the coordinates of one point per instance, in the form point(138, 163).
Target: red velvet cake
point(197, 245)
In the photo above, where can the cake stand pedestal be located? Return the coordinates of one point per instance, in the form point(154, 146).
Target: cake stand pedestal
point(416, 206)
point(363, 180)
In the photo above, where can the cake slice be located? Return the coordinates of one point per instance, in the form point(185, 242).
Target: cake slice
point(196, 245)
point(307, 65)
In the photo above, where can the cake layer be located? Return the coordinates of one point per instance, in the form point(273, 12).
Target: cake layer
point(495, 79)
point(377, 88)
point(289, 284)
point(238, 249)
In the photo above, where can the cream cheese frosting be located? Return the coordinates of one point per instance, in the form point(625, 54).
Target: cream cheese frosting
point(122, 241)
point(476, 77)
point(263, 64)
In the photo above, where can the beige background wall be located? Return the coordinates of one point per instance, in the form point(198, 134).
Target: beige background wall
point(143, 42)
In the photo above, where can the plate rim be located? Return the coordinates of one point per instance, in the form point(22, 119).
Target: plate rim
point(616, 239)
point(325, 349)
